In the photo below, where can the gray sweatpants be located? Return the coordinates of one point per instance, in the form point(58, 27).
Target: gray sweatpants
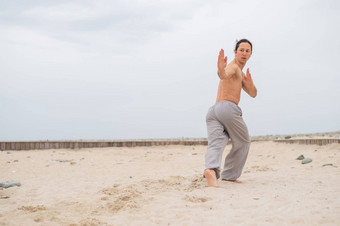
point(224, 121)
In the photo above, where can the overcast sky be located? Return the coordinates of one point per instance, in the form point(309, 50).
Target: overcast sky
point(147, 69)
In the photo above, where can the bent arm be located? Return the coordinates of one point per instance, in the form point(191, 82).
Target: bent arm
point(252, 91)
point(248, 85)
point(227, 72)
point(224, 71)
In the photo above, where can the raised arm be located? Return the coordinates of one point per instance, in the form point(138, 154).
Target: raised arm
point(223, 71)
point(248, 84)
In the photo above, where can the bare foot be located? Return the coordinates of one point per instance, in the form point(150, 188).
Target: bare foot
point(210, 175)
point(235, 181)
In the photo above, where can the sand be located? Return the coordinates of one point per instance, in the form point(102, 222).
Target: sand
point(163, 185)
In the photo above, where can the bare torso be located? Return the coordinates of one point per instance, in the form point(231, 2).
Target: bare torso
point(230, 89)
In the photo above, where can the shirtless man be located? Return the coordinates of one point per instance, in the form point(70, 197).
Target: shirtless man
point(224, 119)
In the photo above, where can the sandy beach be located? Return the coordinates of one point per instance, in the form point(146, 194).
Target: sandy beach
point(163, 185)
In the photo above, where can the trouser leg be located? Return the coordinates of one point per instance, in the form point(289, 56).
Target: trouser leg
point(217, 140)
point(236, 159)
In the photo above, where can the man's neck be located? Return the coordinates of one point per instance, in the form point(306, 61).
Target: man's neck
point(241, 65)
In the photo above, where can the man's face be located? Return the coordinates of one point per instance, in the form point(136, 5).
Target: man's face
point(243, 52)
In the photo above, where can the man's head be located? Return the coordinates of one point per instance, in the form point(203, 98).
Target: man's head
point(243, 50)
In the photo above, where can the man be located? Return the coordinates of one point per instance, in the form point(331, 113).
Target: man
point(224, 119)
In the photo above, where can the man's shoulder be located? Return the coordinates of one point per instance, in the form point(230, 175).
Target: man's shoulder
point(232, 66)
point(233, 70)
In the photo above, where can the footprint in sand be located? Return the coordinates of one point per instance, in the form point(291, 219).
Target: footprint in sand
point(132, 196)
point(32, 209)
point(118, 198)
point(196, 199)
point(261, 169)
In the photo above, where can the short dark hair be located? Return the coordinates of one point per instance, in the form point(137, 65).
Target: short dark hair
point(238, 42)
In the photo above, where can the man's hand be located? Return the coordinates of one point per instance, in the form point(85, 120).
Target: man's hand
point(247, 79)
point(221, 64)
point(248, 84)
point(222, 61)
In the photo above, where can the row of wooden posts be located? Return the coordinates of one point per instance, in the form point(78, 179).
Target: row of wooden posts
point(36, 145)
point(309, 141)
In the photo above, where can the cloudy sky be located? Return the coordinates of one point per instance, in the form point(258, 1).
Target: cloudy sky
point(147, 68)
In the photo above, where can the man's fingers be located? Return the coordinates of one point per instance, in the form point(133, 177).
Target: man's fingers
point(220, 57)
point(221, 53)
point(248, 73)
point(222, 61)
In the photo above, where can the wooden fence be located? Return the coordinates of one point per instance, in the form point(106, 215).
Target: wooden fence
point(36, 145)
point(309, 141)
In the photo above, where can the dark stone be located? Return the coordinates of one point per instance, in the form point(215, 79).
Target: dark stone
point(306, 160)
point(10, 183)
point(328, 164)
point(301, 157)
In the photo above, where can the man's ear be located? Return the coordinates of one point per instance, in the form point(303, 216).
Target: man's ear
point(235, 52)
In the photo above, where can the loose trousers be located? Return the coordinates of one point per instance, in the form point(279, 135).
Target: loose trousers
point(224, 121)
